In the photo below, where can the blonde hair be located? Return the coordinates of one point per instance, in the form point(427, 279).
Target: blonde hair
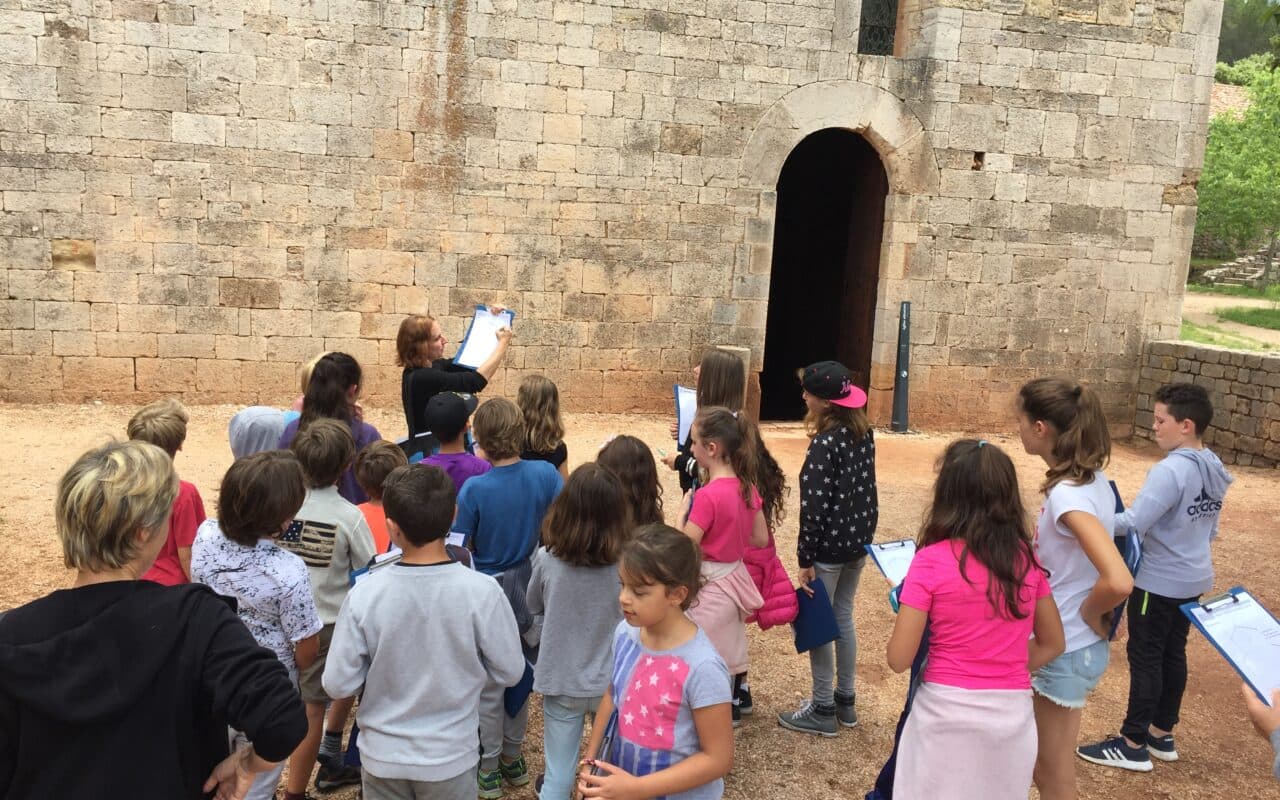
point(1081, 441)
point(834, 416)
point(106, 497)
point(499, 428)
point(162, 423)
point(539, 402)
point(304, 371)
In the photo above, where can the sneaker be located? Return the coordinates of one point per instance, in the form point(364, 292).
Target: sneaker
point(1115, 752)
point(846, 714)
point(811, 718)
point(489, 784)
point(1162, 747)
point(737, 714)
point(515, 772)
point(743, 700)
point(330, 778)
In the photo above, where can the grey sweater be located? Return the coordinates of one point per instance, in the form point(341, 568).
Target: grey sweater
point(423, 641)
point(1176, 514)
point(575, 658)
point(1275, 746)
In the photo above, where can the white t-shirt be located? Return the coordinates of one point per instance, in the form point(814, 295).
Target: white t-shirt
point(1071, 573)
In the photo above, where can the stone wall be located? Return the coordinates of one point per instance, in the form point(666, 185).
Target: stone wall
point(1244, 387)
point(197, 195)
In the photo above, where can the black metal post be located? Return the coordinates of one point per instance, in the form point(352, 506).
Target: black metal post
point(901, 375)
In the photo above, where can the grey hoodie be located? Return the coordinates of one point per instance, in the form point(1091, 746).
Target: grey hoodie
point(1275, 745)
point(1176, 514)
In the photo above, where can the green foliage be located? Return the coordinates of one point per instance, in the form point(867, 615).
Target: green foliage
point(1224, 289)
point(1245, 71)
point(1239, 201)
point(1257, 317)
point(1246, 29)
point(1209, 334)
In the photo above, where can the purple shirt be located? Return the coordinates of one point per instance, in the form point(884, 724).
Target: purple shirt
point(364, 434)
point(458, 466)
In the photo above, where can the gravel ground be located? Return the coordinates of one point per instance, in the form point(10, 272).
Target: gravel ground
point(1221, 758)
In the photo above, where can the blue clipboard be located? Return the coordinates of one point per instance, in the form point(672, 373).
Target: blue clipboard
point(1262, 621)
point(1129, 543)
point(514, 697)
point(686, 408)
point(815, 623)
point(508, 317)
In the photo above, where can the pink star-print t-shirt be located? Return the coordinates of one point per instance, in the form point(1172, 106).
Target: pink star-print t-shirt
point(655, 694)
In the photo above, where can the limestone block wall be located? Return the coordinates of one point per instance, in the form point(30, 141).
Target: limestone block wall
point(1244, 387)
point(195, 196)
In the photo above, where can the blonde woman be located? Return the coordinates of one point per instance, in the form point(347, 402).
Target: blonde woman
point(114, 667)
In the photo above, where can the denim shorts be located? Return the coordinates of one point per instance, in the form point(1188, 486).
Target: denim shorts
point(1068, 679)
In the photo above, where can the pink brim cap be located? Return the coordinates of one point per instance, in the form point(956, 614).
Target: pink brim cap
point(856, 398)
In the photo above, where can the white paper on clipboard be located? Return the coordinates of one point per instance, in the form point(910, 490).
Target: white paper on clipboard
point(482, 336)
point(893, 558)
point(1246, 634)
point(686, 409)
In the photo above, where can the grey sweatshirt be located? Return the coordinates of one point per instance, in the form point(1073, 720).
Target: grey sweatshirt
point(575, 658)
point(423, 641)
point(1275, 746)
point(1176, 514)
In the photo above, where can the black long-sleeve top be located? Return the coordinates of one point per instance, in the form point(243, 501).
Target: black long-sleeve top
point(839, 507)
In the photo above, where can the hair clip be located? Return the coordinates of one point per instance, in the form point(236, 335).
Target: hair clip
point(981, 443)
point(734, 413)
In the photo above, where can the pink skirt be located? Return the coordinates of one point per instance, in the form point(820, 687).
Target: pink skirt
point(721, 609)
point(961, 744)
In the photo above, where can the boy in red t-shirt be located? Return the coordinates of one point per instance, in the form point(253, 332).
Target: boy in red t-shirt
point(164, 424)
point(373, 464)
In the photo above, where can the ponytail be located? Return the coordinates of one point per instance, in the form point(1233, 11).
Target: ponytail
point(737, 437)
point(1082, 442)
point(326, 396)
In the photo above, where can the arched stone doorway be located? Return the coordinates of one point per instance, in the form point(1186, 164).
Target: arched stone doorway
point(883, 121)
point(826, 263)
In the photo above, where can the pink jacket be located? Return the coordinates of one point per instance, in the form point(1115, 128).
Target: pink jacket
point(771, 578)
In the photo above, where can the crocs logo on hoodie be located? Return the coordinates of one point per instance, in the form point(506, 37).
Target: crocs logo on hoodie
point(1203, 505)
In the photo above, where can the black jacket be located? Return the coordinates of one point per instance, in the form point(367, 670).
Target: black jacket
point(420, 384)
point(838, 502)
point(126, 689)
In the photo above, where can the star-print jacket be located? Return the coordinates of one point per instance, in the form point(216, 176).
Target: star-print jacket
point(838, 503)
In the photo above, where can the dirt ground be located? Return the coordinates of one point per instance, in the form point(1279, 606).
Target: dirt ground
point(1202, 309)
point(1221, 757)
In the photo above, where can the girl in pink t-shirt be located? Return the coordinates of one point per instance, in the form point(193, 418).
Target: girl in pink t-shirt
point(724, 517)
point(976, 583)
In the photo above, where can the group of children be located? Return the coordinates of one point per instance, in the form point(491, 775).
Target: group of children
point(572, 585)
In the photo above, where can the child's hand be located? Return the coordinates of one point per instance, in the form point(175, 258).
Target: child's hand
point(231, 778)
point(669, 460)
point(675, 430)
point(807, 576)
point(1101, 625)
point(1266, 720)
point(615, 784)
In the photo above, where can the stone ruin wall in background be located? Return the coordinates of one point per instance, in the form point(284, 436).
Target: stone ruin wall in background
point(196, 197)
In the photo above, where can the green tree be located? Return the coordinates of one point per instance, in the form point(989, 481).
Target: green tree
point(1240, 185)
point(1245, 30)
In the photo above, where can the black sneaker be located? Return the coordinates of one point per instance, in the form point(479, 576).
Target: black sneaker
point(327, 780)
point(1116, 752)
point(737, 714)
point(1162, 747)
point(846, 712)
point(743, 700)
point(811, 718)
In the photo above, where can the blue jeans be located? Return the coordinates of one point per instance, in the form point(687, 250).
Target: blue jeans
point(562, 720)
point(841, 583)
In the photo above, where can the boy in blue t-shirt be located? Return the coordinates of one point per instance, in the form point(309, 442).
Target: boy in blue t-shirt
point(501, 513)
point(1176, 514)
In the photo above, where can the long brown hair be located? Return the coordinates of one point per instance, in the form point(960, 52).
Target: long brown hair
point(631, 462)
point(976, 501)
point(770, 481)
point(588, 522)
point(832, 416)
point(1082, 443)
point(539, 402)
point(736, 437)
point(721, 380)
point(328, 390)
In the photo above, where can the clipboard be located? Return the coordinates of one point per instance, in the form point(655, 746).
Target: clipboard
point(893, 559)
point(605, 751)
point(378, 562)
point(686, 409)
point(1129, 543)
point(1245, 632)
point(481, 339)
point(815, 623)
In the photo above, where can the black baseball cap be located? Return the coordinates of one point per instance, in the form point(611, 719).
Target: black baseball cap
point(831, 381)
point(447, 414)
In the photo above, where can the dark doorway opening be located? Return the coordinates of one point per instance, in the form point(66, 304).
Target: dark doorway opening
point(826, 265)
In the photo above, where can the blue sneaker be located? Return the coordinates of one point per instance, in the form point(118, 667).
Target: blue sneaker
point(1162, 747)
point(1116, 752)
